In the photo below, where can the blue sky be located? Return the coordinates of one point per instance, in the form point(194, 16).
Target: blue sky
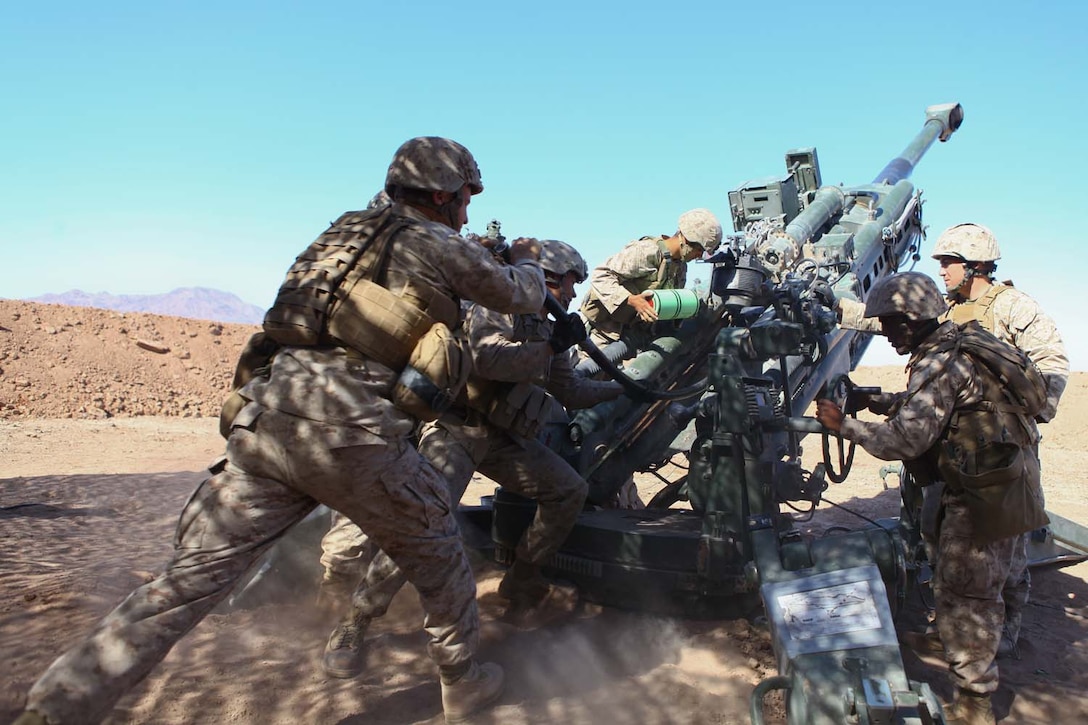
point(148, 146)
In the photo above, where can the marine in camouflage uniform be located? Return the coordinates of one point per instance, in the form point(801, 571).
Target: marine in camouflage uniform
point(617, 305)
point(320, 427)
point(977, 544)
point(516, 358)
point(968, 254)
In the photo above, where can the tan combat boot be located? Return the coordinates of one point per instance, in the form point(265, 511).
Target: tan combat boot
point(928, 641)
point(970, 708)
point(480, 686)
point(344, 653)
point(534, 601)
point(31, 717)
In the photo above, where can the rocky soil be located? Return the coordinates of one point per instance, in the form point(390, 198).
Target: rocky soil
point(58, 361)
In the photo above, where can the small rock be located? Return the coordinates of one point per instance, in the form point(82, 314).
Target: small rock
point(152, 346)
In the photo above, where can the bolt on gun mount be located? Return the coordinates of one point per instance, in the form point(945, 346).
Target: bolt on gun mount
point(766, 339)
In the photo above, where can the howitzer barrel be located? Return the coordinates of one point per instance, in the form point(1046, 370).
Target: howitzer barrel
point(941, 122)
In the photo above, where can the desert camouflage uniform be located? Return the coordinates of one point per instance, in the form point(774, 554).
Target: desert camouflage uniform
point(969, 577)
point(505, 348)
point(1016, 318)
point(642, 265)
point(319, 428)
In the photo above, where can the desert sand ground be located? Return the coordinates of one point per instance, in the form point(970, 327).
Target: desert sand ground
point(87, 510)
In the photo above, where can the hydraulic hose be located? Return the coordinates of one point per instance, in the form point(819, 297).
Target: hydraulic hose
point(634, 388)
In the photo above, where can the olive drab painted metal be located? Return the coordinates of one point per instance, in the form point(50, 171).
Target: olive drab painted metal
point(763, 344)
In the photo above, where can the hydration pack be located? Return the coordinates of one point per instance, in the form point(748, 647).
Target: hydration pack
point(1021, 385)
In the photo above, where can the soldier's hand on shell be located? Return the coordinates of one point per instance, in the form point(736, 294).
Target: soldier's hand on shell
point(643, 307)
point(524, 248)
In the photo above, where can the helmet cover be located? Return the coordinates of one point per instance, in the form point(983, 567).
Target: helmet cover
point(911, 294)
point(559, 258)
point(700, 226)
point(969, 242)
point(433, 163)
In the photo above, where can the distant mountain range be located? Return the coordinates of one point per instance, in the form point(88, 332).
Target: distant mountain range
point(199, 303)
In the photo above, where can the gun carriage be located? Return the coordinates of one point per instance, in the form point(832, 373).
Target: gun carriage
point(734, 380)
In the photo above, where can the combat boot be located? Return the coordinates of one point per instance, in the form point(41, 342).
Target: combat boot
point(523, 584)
point(478, 687)
point(344, 652)
point(31, 717)
point(928, 641)
point(970, 708)
point(534, 601)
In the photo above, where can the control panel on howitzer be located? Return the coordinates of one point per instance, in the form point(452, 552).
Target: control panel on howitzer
point(762, 346)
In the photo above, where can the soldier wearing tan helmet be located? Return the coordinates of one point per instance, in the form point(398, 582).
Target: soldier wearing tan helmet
point(968, 255)
point(618, 300)
point(322, 421)
point(954, 411)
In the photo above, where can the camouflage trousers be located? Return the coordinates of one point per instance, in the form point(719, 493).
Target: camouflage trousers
point(525, 467)
point(1016, 591)
point(346, 552)
point(277, 468)
point(968, 583)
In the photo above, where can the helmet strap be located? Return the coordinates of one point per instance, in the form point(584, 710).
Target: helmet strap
point(971, 270)
point(450, 212)
point(919, 331)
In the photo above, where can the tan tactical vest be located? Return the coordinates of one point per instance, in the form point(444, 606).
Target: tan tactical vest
point(336, 294)
point(981, 309)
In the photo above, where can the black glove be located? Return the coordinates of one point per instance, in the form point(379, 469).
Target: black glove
point(857, 399)
point(568, 331)
point(822, 293)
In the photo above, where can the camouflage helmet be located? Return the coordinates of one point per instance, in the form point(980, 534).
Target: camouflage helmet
point(559, 258)
point(912, 294)
point(433, 163)
point(969, 242)
point(700, 226)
